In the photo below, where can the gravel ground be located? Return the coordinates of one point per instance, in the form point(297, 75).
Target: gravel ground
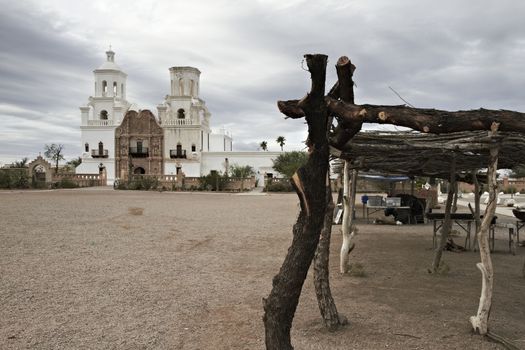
point(104, 269)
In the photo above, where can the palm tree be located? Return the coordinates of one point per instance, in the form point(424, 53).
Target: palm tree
point(264, 145)
point(21, 163)
point(280, 140)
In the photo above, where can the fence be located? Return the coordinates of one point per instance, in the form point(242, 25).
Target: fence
point(81, 180)
point(183, 183)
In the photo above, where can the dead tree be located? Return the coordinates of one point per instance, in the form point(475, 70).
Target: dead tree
point(309, 183)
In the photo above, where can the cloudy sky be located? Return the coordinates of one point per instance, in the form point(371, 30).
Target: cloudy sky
point(442, 54)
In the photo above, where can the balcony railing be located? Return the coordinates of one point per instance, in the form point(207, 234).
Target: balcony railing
point(100, 122)
point(177, 153)
point(141, 152)
point(177, 122)
point(95, 153)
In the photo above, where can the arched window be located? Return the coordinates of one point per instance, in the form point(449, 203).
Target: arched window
point(181, 114)
point(114, 88)
point(104, 88)
point(193, 148)
point(86, 147)
point(104, 115)
point(100, 148)
point(139, 171)
point(122, 90)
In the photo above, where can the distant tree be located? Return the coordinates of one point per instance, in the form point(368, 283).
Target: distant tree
point(518, 171)
point(241, 171)
point(288, 162)
point(280, 140)
point(75, 162)
point(20, 163)
point(54, 152)
point(264, 145)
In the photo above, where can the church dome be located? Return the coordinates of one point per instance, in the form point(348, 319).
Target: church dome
point(110, 62)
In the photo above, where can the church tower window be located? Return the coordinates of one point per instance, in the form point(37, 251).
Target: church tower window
point(193, 148)
point(181, 114)
point(86, 147)
point(104, 88)
point(114, 88)
point(103, 115)
point(100, 148)
point(181, 87)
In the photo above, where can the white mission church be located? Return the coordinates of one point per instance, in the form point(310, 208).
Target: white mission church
point(186, 143)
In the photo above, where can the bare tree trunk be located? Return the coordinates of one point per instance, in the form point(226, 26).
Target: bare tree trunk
point(347, 227)
point(477, 200)
point(455, 202)
point(447, 222)
point(480, 321)
point(310, 185)
point(331, 317)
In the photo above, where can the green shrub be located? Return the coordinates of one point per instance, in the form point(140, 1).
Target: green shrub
point(67, 183)
point(279, 187)
point(14, 178)
point(142, 183)
point(213, 181)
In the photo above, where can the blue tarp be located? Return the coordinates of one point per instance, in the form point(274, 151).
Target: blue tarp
point(384, 178)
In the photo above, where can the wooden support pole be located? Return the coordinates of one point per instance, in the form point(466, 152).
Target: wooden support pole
point(332, 319)
point(447, 222)
point(347, 227)
point(480, 321)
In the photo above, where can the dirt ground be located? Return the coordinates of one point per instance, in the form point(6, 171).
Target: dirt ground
point(103, 269)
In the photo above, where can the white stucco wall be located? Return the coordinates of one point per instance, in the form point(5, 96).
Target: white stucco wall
point(187, 136)
point(190, 169)
point(220, 142)
point(90, 166)
point(260, 161)
point(94, 135)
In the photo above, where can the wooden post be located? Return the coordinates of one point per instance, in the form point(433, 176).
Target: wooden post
point(480, 321)
point(332, 319)
point(347, 227)
point(447, 222)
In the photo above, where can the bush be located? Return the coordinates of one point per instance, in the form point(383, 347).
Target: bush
point(14, 178)
point(138, 182)
point(67, 183)
point(212, 182)
point(279, 187)
point(510, 190)
point(118, 184)
point(143, 183)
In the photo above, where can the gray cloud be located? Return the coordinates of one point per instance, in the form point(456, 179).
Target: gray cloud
point(449, 55)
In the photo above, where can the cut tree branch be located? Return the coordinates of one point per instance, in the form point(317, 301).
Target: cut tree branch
point(426, 120)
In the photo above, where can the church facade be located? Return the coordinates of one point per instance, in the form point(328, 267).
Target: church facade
point(122, 139)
